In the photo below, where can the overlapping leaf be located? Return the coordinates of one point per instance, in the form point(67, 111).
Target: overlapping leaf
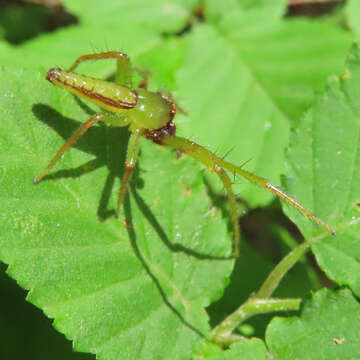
point(327, 328)
point(324, 159)
point(248, 77)
point(132, 27)
point(353, 13)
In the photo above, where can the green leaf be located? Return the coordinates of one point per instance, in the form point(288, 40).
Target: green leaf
point(289, 58)
point(293, 60)
point(250, 15)
point(325, 329)
point(353, 13)
point(324, 172)
point(133, 27)
point(243, 88)
point(135, 291)
point(160, 15)
point(115, 289)
point(253, 349)
point(229, 110)
point(163, 77)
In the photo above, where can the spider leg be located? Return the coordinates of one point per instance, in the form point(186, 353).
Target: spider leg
point(131, 156)
point(224, 177)
point(212, 162)
point(124, 70)
point(70, 142)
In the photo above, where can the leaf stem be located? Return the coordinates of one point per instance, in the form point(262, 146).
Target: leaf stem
point(223, 335)
point(272, 281)
point(260, 303)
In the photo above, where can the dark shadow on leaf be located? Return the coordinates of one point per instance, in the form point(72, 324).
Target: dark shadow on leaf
point(87, 109)
point(176, 247)
point(76, 172)
point(107, 144)
point(103, 212)
point(132, 237)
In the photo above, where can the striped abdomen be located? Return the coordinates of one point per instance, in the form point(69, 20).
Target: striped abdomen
point(109, 96)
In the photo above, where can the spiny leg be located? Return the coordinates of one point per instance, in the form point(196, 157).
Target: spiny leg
point(281, 194)
point(124, 69)
point(131, 156)
point(70, 142)
point(207, 158)
point(233, 208)
point(211, 160)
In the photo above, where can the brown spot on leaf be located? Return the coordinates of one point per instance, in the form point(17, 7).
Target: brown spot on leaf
point(187, 192)
point(338, 341)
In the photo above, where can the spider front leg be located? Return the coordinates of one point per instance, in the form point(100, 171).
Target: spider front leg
point(124, 69)
point(131, 157)
point(105, 117)
point(70, 142)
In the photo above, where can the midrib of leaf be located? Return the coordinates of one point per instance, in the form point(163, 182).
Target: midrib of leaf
point(243, 63)
point(263, 144)
point(256, 82)
point(240, 106)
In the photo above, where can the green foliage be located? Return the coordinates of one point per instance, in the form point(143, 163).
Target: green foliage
point(151, 276)
point(12, 16)
point(334, 119)
point(353, 13)
point(138, 287)
point(330, 333)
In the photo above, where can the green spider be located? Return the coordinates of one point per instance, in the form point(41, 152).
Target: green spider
point(148, 114)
